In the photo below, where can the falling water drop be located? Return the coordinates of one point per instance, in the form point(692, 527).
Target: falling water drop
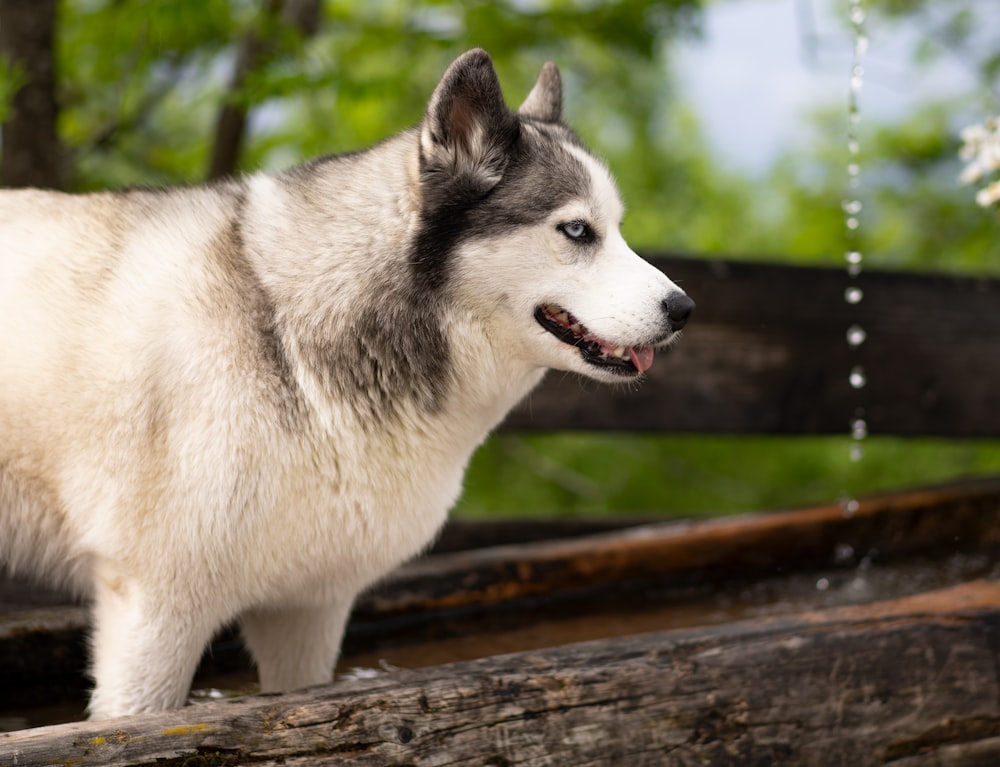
point(849, 507)
point(856, 336)
point(857, 378)
point(853, 259)
point(853, 207)
point(859, 428)
point(843, 553)
point(857, 77)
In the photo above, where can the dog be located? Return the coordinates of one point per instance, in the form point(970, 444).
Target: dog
point(252, 400)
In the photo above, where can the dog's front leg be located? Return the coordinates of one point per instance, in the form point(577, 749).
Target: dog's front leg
point(146, 647)
point(295, 647)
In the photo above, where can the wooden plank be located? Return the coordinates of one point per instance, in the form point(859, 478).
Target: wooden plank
point(909, 682)
point(766, 353)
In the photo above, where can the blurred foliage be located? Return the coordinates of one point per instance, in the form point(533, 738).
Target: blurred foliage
point(142, 82)
point(11, 78)
point(562, 474)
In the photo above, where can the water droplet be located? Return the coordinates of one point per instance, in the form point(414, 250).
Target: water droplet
point(852, 207)
point(857, 77)
point(857, 379)
point(822, 584)
point(859, 428)
point(843, 553)
point(849, 507)
point(856, 335)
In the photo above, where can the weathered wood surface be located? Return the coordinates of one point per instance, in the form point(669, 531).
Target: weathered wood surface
point(927, 520)
point(460, 593)
point(910, 683)
point(766, 353)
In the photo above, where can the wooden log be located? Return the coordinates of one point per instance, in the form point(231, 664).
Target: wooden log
point(931, 521)
point(910, 682)
point(494, 589)
point(766, 353)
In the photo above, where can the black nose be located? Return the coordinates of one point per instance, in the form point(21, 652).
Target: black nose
point(678, 308)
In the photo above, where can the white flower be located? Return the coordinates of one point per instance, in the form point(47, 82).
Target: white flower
point(988, 194)
point(981, 151)
point(971, 173)
point(972, 137)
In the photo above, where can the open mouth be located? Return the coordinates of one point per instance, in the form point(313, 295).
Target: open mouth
point(623, 360)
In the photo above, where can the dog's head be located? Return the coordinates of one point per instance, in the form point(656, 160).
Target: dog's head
point(522, 222)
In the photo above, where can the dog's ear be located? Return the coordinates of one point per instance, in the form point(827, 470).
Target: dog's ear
point(467, 131)
point(545, 100)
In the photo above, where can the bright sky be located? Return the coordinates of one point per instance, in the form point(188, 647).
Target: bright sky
point(763, 64)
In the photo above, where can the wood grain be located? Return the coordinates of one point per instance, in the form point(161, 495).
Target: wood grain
point(912, 682)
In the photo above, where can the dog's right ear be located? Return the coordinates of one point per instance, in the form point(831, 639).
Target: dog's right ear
point(545, 100)
point(467, 131)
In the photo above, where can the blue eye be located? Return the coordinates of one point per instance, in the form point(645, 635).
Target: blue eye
point(578, 231)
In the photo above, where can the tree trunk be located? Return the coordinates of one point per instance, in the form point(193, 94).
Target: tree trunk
point(31, 155)
point(255, 48)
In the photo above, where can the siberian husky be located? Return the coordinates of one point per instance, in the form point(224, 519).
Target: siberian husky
point(253, 399)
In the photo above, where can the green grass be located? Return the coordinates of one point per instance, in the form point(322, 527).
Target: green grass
point(575, 474)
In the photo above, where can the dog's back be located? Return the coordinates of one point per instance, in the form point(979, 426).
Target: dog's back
point(98, 312)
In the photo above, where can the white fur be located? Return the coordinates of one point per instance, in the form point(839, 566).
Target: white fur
point(146, 460)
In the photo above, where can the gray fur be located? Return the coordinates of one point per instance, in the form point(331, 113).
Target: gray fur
point(544, 103)
point(517, 176)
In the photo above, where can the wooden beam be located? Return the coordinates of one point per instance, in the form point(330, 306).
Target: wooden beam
point(910, 682)
point(766, 353)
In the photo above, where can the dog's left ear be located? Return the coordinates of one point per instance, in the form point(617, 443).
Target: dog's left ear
point(467, 130)
point(545, 100)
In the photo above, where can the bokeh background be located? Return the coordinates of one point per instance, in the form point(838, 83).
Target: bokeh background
point(725, 123)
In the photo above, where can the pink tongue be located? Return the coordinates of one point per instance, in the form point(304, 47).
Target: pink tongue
point(642, 357)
